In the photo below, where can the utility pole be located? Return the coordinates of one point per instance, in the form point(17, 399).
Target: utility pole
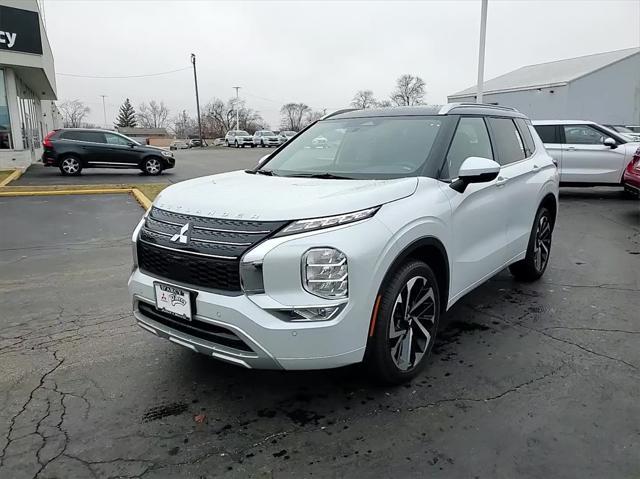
point(104, 111)
point(483, 36)
point(237, 107)
point(195, 79)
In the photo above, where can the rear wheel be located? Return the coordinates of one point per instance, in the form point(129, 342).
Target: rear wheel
point(70, 166)
point(406, 322)
point(534, 264)
point(152, 166)
point(237, 145)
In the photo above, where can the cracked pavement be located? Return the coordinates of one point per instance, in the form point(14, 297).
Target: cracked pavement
point(526, 380)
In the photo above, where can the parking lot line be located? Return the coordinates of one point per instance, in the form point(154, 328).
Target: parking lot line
point(12, 177)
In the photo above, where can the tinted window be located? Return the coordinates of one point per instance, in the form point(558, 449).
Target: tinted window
point(582, 135)
point(507, 141)
point(72, 135)
point(547, 133)
point(525, 133)
point(116, 139)
point(470, 139)
point(92, 136)
point(363, 148)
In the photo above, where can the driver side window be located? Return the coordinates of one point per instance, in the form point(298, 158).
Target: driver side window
point(582, 135)
point(470, 139)
point(116, 139)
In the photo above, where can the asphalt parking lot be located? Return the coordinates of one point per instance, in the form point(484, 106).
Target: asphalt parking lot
point(189, 164)
point(526, 380)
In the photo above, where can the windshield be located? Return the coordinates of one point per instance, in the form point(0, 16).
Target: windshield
point(359, 148)
point(242, 133)
point(622, 129)
point(288, 133)
point(268, 133)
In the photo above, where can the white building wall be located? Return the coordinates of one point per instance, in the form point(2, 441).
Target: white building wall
point(610, 95)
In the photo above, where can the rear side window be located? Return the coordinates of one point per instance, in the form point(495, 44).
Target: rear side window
point(525, 133)
point(92, 136)
point(547, 133)
point(507, 141)
point(470, 139)
point(72, 135)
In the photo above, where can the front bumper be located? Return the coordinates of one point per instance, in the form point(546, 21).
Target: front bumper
point(273, 343)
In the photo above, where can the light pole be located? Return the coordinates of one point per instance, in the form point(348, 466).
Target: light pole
point(104, 111)
point(237, 108)
point(483, 36)
point(195, 79)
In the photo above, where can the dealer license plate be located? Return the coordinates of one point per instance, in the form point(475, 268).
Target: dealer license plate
point(173, 300)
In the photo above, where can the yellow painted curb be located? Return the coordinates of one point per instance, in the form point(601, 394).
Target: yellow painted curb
point(141, 198)
point(137, 194)
point(12, 177)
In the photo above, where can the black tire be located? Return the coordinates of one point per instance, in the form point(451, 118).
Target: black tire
point(253, 145)
point(395, 328)
point(533, 266)
point(70, 166)
point(262, 143)
point(152, 166)
point(237, 145)
point(227, 143)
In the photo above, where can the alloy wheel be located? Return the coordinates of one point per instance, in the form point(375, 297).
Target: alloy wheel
point(70, 166)
point(542, 243)
point(153, 166)
point(412, 324)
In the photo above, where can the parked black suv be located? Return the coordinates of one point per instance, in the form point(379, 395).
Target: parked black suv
point(72, 149)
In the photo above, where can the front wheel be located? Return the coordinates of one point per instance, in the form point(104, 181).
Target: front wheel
point(152, 166)
point(534, 264)
point(406, 316)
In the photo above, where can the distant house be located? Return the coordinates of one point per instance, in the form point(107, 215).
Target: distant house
point(604, 87)
point(149, 136)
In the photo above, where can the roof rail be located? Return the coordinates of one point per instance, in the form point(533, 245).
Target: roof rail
point(338, 112)
point(452, 106)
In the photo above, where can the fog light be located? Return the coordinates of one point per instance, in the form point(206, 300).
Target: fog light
point(324, 313)
point(325, 273)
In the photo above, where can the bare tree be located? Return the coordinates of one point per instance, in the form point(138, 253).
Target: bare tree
point(183, 125)
point(410, 90)
point(385, 104)
point(364, 99)
point(73, 113)
point(293, 115)
point(219, 117)
point(153, 115)
point(310, 117)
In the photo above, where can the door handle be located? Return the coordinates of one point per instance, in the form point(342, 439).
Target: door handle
point(571, 148)
point(501, 181)
point(535, 167)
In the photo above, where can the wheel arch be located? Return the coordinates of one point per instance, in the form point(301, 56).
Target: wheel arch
point(549, 201)
point(433, 252)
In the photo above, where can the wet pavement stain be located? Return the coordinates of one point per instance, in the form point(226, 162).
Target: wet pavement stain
point(165, 410)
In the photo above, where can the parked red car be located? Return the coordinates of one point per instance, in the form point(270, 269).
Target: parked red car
point(631, 177)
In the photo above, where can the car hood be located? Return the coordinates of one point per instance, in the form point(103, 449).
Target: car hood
point(240, 195)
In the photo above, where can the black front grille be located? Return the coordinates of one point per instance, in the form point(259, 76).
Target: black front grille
point(209, 273)
point(199, 329)
point(210, 256)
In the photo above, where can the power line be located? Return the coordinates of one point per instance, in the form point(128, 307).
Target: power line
point(123, 76)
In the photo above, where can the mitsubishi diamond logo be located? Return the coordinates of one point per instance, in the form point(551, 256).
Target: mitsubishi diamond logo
point(182, 236)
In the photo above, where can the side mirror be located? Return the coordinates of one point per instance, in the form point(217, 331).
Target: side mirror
point(131, 144)
point(475, 170)
point(263, 159)
point(610, 142)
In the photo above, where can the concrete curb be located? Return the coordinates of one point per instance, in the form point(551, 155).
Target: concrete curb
point(12, 177)
point(140, 197)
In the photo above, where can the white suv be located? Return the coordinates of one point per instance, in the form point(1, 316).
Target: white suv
point(323, 257)
point(587, 154)
point(238, 138)
point(265, 138)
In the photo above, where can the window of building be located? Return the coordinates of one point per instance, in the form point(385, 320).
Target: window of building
point(5, 122)
point(509, 145)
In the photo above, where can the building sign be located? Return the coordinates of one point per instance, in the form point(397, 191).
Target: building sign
point(20, 30)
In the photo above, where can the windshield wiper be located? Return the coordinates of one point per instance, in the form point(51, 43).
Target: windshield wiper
point(265, 172)
point(325, 176)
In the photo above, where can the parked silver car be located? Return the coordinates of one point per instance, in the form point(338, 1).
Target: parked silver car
point(265, 138)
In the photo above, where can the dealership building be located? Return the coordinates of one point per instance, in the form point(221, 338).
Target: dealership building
point(604, 87)
point(27, 84)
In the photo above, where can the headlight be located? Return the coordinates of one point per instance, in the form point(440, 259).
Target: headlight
point(301, 226)
point(167, 153)
point(325, 273)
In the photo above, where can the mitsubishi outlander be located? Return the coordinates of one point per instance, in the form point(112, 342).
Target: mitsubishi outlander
point(347, 243)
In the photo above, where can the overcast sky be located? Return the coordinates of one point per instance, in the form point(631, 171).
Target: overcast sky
point(319, 53)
